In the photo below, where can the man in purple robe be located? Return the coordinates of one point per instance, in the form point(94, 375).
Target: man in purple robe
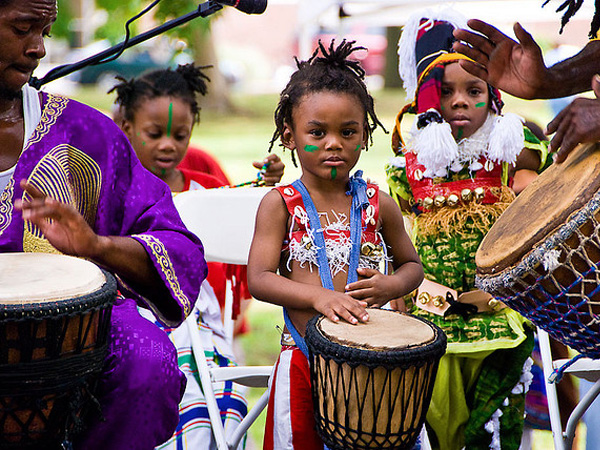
point(64, 161)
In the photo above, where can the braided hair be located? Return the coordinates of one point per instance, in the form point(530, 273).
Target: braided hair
point(331, 71)
point(571, 7)
point(183, 83)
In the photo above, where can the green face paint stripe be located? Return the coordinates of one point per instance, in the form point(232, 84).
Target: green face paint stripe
point(480, 104)
point(333, 173)
point(143, 143)
point(170, 120)
point(358, 147)
point(310, 148)
point(460, 132)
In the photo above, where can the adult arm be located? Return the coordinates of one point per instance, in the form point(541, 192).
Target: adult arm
point(518, 68)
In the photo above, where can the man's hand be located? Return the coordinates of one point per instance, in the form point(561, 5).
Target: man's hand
point(515, 67)
point(60, 223)
point(577, 123)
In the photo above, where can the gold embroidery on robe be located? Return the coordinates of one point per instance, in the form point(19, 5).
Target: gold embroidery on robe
point(160, 254)
point(69, 176)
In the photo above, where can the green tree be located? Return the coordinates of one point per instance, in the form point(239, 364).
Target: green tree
point(196, 33)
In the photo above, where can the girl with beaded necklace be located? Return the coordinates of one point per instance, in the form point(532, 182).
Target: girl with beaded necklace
point(453, 177)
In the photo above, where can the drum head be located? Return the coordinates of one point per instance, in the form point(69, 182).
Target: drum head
point(43, 277)
point(541, 208)
point(385, 330)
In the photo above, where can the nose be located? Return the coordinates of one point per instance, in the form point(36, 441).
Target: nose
point(334, 142)
point(36, 48)
point(167, 144)
point(459, 101)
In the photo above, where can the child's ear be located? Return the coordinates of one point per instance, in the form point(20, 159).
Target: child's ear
point(127, 128)
point(287, 137)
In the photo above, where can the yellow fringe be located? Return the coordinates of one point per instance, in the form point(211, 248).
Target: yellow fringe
point(451, 220)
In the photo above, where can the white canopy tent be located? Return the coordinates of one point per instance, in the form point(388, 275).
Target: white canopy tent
point(314, 14)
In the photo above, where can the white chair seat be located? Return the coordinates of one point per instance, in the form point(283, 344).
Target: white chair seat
point(224, 221)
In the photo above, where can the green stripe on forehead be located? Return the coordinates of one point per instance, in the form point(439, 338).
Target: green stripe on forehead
point(170, 123)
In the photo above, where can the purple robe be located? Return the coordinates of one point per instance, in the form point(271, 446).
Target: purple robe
point(78, 155)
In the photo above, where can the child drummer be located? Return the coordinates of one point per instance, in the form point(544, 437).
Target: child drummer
point(453, 177)
point(324, 231)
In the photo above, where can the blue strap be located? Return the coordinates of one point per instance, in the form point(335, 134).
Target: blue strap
point(357, 188)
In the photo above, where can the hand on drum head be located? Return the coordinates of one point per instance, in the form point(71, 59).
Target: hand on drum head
point(63, 226)
point(576, 124)
point(336, 306)
point(515, 67)
point(375, 288)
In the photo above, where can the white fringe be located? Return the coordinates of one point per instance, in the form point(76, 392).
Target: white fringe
point(407, 65)
point(493, 427)
point(551, 260)
point(436, 148)
point(506, 139)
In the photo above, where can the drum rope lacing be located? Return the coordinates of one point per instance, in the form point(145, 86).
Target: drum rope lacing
point(564, 312)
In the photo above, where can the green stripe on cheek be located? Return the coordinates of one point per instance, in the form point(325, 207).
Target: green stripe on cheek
point(311, 148)
point(480, 104)
point(357, 148)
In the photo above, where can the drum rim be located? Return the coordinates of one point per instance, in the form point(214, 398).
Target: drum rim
point(354, 357)
point(103, 297)
point(510, 275)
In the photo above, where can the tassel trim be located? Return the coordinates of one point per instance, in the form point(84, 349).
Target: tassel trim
point(450, 220)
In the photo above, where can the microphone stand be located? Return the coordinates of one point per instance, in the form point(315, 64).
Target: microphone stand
point(204, 10)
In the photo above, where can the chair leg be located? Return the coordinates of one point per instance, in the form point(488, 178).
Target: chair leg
point(242, 428)
point(578, 412)
point(211, 402)
point(555, 423)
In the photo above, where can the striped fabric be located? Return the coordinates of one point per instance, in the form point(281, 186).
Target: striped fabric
point(194, 428)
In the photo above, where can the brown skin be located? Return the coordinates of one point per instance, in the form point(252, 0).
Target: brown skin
point(23, 26)
point(334, 124)
point(518, 68)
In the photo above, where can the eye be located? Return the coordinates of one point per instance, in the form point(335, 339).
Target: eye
point(21, 30)
point(475, 92)
point(316, 133)
point(348, 132)
point(445, 91)
point(181, 137)
point(153, 134)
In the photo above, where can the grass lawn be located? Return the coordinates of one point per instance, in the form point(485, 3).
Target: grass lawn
point(238, 138)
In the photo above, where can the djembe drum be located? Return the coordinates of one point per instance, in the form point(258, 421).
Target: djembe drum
point(372, 382)
point(542, 256)
point(54, 322)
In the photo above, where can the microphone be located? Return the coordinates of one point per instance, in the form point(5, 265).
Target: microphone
point(246, 6)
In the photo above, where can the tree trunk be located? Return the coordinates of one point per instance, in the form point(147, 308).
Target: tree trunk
point(218, 97)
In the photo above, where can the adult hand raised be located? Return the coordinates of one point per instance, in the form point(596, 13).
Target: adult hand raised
point(577, 123)
point(515, 67)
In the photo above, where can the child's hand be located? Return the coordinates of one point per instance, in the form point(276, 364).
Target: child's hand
point(336, 305)
point(273, 169)
point(376, 288)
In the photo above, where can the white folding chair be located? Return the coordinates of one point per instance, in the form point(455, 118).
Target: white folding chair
point(586, 368)
point(224, 220)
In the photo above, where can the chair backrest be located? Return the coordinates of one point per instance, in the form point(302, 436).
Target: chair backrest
point(223, 219)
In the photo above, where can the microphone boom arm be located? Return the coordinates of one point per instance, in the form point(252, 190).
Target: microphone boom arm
point(204, 10)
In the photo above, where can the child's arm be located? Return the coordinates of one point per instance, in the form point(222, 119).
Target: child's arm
point(525, 169)
point(267, 285)
point(378, 289)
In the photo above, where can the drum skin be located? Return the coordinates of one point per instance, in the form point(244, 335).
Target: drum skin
point(52, 348)
point(372, 382)
point(542, 256)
